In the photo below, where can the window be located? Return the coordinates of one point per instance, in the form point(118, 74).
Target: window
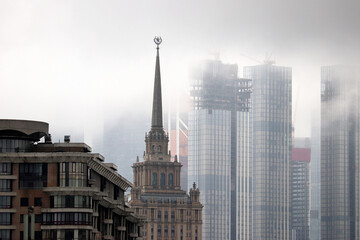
point(66, 218)
point(5, 185)
point(37, 202)
point(159, 230)
point(173, 231)
point(5, 218)
point(154, 179)
point(166, 230)
point(162, 179)
point(5, 168)
point(159, 215)
point(38, 218)
point(73, 174)
point(159, 149)
point(32, 175)
point(5, 202)
point(166, 217)
point(5, 234)
point(24, 202)
point(70, 201)
point(172, 216)
point(171, 180)
point(38, 235)
point(21, 218)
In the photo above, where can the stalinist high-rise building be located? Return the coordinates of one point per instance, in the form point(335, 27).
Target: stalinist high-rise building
point(169, 212)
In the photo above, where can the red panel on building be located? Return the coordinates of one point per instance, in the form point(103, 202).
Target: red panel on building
point(301, 154)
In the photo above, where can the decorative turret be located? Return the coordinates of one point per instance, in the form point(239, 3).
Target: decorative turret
point(194, 194)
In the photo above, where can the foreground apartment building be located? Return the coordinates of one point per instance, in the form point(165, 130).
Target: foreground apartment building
point(58, 190)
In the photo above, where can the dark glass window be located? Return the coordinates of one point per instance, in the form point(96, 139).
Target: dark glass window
point(103, 183)
point(5, 218)
point(172, 216)
point(5, 234)
point(166, 217)
point(171, 180)
point(5, 185)
point(166, 230)
point(162, 179)
point(38, 218)
point(37, 202)
point(159, 215)
point(5, 202)
point(159, 230)
point(70, 201)
point(66, 218)
point(21, 218)
point(173, 231)
point(32, 175)
point(24, 202)
point(154, 179)
point(5, 168)
point(38, 235)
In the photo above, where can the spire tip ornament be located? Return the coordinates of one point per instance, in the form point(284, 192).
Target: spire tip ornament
point(157, 41)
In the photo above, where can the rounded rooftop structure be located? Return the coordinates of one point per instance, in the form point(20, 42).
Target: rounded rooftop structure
point(23, 129)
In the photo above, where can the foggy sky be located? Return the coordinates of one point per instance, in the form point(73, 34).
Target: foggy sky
point(76, 63)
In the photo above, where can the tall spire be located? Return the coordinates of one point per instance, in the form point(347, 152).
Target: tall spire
point(156, 121)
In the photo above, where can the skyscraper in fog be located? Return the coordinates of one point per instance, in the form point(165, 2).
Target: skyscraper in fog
point(272, 150)
point(220, 149)
point(315, 179)
point(300, 194)
point(340, 134)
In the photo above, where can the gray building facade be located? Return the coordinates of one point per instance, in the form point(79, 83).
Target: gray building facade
point(272, 131)
point(315, 179)
point(300, 190)
point(340, 152)
point(220, 149)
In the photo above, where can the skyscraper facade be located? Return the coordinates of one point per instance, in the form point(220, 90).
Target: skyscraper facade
point(220, 149)
point(315, 179)
point(300, 191)
point(272, 130)
point(340, 152)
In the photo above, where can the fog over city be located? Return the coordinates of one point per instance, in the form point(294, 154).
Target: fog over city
point(80, 65)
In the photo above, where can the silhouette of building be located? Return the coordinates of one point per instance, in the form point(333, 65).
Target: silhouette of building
point(315, 179)
point(220, 149)
point(59, 190)
point(272, 131)
point(300, 191)
point(340, 132)
point(170, 213)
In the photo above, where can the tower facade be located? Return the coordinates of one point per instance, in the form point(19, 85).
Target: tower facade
point(315, 178)
point(170, 213)
point(272, 130)
point(340, 124)
point(220, 149)
point(300, 191)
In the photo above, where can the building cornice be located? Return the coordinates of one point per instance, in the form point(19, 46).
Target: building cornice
point(110, 174)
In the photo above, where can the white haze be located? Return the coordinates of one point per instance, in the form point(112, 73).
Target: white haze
point(77, 64)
